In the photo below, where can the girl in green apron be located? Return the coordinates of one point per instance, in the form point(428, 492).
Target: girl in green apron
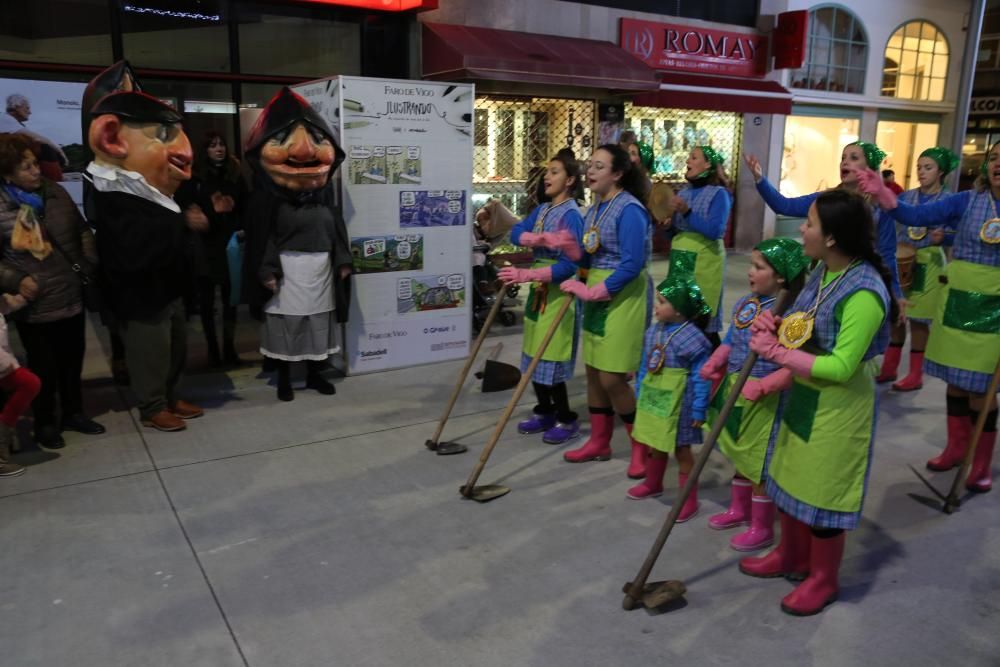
point(818, 464)
point(673, 397)
point(558, 213)
point(774, 264)
point(923, 294)
point(616, 238)
point(699, 224)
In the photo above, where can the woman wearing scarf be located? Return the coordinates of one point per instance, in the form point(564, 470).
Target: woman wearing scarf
point(702, 212)
point(43, 237)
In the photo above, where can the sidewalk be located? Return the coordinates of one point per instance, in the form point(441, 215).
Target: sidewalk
point(322, 532)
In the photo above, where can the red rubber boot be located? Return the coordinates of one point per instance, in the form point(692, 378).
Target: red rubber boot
point(598, 446)
point(980, 478)
point(914, 380)
point(691, 505)
point(959, 432)
point(890, 363)
point(789, 559)
point(652, 486)
point(821, 586)
point(640, 453)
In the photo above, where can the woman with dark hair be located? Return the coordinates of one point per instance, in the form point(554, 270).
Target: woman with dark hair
point(820, 456)
point(559, 212)
point(616, 239)
point(923, 294)
point(42, 238)
point(212, 202)
point(699, 224)
point(964, 343)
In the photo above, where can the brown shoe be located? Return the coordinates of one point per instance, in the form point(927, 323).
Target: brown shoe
point(164, 420)
point(186, 410)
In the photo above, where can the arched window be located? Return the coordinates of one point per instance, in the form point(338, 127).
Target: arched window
point(836, 52)
point(916, 63)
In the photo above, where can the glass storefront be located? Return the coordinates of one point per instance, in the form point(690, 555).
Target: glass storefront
point(811, 157)
point(903, 142)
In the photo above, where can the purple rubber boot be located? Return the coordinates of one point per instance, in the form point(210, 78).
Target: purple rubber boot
point(536, 423)
point(562, 432)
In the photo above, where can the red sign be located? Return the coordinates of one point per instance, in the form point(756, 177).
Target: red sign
point(382, 5)
point(790, 39)
point(686, 48)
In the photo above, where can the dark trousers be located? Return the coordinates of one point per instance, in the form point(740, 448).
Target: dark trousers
point(55, 354)
point(206, 309)
point(155, 350)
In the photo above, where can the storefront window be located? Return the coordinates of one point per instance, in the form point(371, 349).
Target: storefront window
point(916, 63)
point(190, 35)
point(58, 31)
point(207, 106)
point(674, 132)
point(836, 52)
point(903, 142)
point(514, 138)
point(811, 159)
point(299, 42)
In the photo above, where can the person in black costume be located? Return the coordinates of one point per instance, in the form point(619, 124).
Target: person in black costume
point(297, 261)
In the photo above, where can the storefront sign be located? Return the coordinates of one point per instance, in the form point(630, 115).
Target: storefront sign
point(790, 39)
point(983, 106)
point(670, 46)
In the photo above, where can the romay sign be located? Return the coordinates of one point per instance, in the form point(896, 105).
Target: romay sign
point(687, 48)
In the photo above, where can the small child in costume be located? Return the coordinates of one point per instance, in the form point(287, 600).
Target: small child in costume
point(672, 396)
point(775, 264)
point(18, 384)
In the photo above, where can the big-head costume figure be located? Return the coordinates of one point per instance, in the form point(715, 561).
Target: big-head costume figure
point(141, 156)
point(297, 258)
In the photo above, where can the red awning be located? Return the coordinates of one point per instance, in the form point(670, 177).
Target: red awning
point(717, 93)
point(456, 52)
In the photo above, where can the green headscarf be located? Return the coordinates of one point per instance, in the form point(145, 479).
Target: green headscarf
point(873, 154)
point(946, 160)
point(785, 256)
point(684, 295)
point(645, 155)
point(714, 157)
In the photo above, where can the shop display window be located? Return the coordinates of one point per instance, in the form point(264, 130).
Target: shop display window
point(514, 138)
point(903, 142)
point(916, 63)
point(836, 52)
point(672, 133)
point(811, 158)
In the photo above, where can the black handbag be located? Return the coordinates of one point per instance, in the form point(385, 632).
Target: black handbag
point(90, 291)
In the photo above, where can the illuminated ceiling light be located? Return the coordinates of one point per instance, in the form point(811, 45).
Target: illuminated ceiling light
point(169, 13)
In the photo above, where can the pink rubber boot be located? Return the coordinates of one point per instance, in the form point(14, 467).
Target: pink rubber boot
point(959, 432)
point(822, 585)
point(690, 508)
point(980, 478)
point(640, 452)
point(761, 532)
point(738, 513)
point(598, 446)
point(890, 364)
point(914, 380)
point(652, 486)
point(789, 559)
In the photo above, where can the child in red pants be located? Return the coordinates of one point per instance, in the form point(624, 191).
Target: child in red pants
point(18, 384)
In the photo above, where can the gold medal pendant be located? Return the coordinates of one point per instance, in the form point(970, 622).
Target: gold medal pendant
point(592, 240)
point(795, 330)
point(916, 233)
point(655, 361)
point(748, 313)
point(990, 231)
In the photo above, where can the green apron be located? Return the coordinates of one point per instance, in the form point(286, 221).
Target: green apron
point(926, 290)
point(659, 408)
point(966, 331)
point(745, 438)
point(613, 330)
point(537, 323)
point(821, 454)
point(703, 260)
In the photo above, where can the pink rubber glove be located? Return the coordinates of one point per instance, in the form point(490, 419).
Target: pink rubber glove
point(564, 242)
point(870, 182)
point(530, 240)
point(766, 344)
point(715, 368)
point(765, 321)
point(510, 274)
point(779, 380)
point(596, 293)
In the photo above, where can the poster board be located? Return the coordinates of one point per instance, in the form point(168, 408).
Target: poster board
point(405, 187)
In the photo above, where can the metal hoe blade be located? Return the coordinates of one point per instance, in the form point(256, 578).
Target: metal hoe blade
point(484, 493)
point(446, 448)
point(654, 594)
